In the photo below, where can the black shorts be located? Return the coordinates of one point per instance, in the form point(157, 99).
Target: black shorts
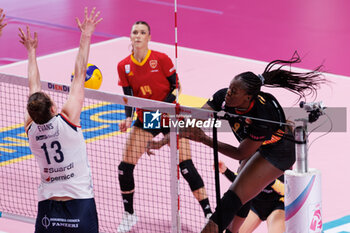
point(264, 208)
point(154, 132)
point(280, 154)
point(78, 216)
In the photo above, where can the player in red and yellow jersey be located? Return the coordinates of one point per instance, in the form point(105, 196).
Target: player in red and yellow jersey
point(149, 74)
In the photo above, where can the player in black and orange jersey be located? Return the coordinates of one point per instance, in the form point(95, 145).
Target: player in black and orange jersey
point(149, 74)
point(267, 206)
point(259, 124)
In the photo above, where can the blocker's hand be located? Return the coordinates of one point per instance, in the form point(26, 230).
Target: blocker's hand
point(90, 21)
point(27, 40)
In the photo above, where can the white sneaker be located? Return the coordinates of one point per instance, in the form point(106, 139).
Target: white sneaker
point(128, 221)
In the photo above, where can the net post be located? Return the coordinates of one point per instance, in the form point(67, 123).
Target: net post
point(303, 201)
point(301, 164)
point(217, 177)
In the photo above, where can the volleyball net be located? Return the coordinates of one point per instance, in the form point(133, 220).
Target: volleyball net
point(157, 187)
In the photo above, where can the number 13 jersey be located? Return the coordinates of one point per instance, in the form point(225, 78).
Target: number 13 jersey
point(60, 151)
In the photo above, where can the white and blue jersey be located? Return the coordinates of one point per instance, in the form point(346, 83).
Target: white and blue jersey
point(60, 151)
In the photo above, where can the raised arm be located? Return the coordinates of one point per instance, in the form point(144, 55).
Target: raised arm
point(33, 72)
point(2, 23)
point(72, 108)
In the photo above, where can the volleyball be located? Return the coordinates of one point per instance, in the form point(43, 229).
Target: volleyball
point(93, 78)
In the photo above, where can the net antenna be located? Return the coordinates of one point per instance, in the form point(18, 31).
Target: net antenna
point(174, 145)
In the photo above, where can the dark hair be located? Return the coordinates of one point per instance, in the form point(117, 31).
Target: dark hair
point(144, 23)
point(302, 84)
point(38, 107)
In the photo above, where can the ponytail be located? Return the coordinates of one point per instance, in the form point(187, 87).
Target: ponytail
point(302, 84)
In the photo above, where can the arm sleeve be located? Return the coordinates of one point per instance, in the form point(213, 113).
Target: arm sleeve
point(230, 175)
point(171, 95)
point(128, 110)
point(169, 71)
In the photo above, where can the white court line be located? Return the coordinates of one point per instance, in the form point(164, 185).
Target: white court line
point(169, 46)
point(63, 52)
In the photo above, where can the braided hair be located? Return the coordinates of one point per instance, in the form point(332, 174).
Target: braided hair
point(302, 84)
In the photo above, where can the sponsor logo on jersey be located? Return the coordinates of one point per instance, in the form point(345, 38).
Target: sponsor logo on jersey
point(59, 169)
point(127, 68)
point(51, 179)
point(153, 63)
point(43, 137)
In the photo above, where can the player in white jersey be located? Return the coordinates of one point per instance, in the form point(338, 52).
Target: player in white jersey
point(66, 199)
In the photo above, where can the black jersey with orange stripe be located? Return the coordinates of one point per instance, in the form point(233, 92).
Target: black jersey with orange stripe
point(264, 106)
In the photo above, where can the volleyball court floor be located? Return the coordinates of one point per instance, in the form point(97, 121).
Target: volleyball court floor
point(201, 74)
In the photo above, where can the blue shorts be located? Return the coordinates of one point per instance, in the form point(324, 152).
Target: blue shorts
point(78, 216)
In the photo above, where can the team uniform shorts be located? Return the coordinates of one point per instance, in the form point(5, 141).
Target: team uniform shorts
point(280, 154)
point(263, 208)
point(73, 216)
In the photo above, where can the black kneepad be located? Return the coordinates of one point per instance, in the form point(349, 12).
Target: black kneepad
point(191, 175)
point(243, 212)
point(126, 176)
point(230, 204)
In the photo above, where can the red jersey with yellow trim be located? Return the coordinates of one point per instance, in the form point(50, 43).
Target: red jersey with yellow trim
point(148, 79)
